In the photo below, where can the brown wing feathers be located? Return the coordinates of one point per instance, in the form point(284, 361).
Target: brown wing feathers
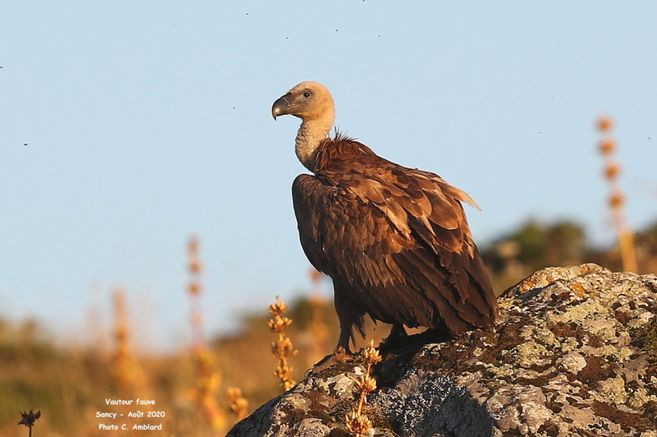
point(395, 239)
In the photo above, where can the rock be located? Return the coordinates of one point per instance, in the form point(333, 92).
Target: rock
point(574, 353)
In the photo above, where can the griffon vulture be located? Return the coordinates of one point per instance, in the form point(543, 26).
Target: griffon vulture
point(394, 240)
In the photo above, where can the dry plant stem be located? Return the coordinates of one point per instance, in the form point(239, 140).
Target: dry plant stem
point(616, 198)
point(125, 370)
point(357, 423)
point(282, 348)
point(207, 377)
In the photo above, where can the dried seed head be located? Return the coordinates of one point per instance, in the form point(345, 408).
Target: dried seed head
point(278, 307)
point(371, 354)
point(616, 200)
point(607, 146)
point(234, 393)
point(284, 374)
point(366, 384)
point(278, 323)
point(282, 347)
point(194, 288)
point(29, 417)
point(358, 424)
point(192, 245)
point(194, 266)
point(612, 170)
point(238, 404)
point(604, 123)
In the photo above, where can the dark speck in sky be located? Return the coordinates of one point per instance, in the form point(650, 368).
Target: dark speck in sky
point(233, 107)
point(25, 144)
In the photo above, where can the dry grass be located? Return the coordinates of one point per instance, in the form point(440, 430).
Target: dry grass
point(68, 384)
point(358, 424)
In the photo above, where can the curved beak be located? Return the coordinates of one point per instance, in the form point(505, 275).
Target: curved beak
point(281, 106)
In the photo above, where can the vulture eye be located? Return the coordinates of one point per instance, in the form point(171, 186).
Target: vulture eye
point(306, 94)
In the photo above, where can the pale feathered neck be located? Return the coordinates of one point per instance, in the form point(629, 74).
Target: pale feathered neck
point(310, 135)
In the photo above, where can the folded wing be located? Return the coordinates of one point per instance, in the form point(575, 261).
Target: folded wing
point(396, 243)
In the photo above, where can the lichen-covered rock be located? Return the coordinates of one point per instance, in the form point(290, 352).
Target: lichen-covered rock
point(574, 353)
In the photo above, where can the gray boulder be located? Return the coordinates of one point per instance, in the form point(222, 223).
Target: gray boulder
point(574, 353)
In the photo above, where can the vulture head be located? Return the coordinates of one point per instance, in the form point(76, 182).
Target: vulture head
point(310, 101)
point(313, 104)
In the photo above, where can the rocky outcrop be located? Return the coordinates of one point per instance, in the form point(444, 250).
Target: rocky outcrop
point(574, 353)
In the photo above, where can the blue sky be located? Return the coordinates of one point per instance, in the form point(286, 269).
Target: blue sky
point(148, 121)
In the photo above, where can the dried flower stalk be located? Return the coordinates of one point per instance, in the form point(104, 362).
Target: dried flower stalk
point(28, 418)
point(207, 377)
point(282, 348)
point(358, 424)
point(126, 372)
point(607, 146)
